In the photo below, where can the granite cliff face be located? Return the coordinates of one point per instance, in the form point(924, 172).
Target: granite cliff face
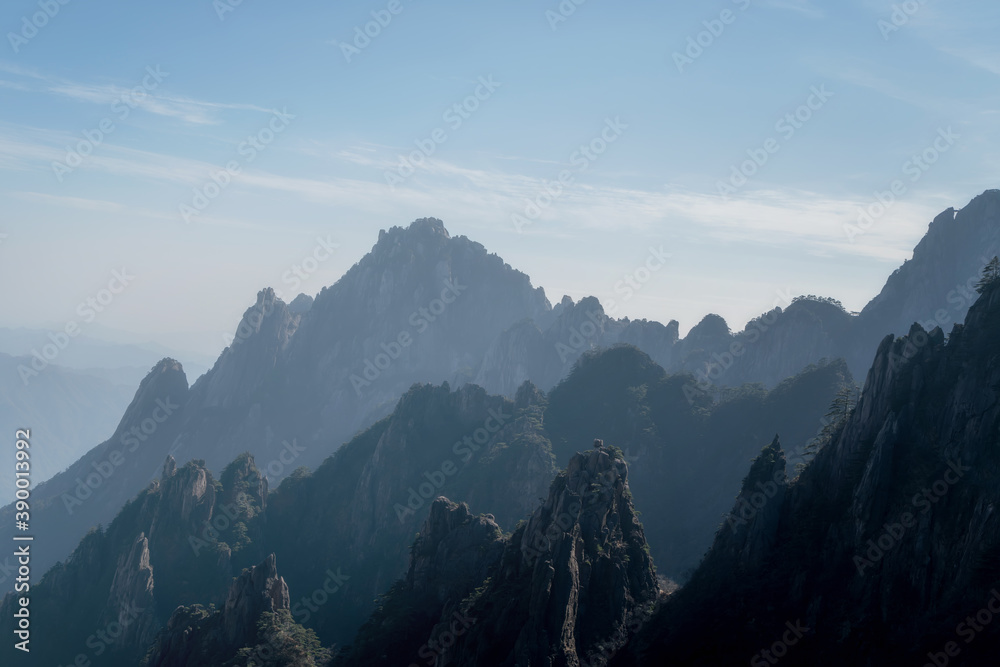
point(251, 628)
point(886, 545)
point(935, 288)
point(750, 530)
point(943, 271)
point(244, 369)
point(689, 453)
point(174, 543)
point(454, 554)
point(422, 306)
point(130, 600)
point(573, 579)
point(358, 512)
point(342, 531)
point(455, 550)
point(569, 585)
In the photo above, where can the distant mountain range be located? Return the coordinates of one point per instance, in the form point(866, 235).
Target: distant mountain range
point(115, 356)
point(68, 411)
point(559, 565)
point(874, 554)
point(886, 550)
point(299, 380)
point(72, 394)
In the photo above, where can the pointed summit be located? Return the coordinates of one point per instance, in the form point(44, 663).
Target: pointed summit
point(429, 226)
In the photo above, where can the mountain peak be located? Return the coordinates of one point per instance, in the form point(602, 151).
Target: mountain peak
point(711, 325)
point(165, 383)
point(429, 225)
point(166, 364)
point(300, 304)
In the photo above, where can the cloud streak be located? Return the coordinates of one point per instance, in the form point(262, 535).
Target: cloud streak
point(185, 109)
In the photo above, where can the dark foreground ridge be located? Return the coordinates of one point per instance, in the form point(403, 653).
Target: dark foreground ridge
point(886, 550)
point(569, 585)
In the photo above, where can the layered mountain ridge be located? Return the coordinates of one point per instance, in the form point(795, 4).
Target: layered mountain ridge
point(424, 306)
point(885, 549)
point(343, 530)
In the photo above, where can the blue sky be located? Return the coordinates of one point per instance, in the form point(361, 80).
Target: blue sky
point(346, 116)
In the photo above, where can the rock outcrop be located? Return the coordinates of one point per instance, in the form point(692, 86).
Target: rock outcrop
point(454, 554)
point(361, 509)
point(573, 579)
point(130, 600)
point(888, 542)
point(568, 587)
point(173, 544)
point(750, 531)
point(196, 637)
point(254, 592)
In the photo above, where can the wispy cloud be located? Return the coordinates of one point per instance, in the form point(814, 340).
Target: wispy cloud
point(981, 58)
point(70, 202)
point(860, 74)
point(188, 110)
point(800, 221)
